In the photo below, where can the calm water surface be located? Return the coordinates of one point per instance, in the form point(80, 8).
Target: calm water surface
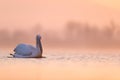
point(62, 66)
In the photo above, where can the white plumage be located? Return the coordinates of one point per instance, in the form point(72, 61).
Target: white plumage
point(29, 51)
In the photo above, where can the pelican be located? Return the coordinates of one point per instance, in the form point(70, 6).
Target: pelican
point(29, 51)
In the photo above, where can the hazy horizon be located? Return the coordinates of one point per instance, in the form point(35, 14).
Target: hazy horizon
point(74, 35)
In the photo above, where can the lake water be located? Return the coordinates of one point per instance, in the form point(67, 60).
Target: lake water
point(62, 66)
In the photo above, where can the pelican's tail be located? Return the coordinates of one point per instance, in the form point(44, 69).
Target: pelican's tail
point(12, 55)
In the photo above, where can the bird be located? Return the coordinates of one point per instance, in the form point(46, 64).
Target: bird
point(29, 51)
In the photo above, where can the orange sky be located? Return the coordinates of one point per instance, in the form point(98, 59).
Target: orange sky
point(109, 3)
point(55, 13)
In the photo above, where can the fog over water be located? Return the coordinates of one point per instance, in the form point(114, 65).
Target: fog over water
point(74, 33)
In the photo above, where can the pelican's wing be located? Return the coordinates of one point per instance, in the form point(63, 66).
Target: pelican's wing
point(23, 49)
point(28, 54)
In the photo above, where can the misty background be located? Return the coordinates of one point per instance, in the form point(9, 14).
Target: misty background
point(61, 23)
point(73, 35)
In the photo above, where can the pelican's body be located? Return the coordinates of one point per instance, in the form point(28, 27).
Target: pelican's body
point(29, 51)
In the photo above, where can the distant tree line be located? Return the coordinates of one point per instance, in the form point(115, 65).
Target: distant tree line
point(74, 33)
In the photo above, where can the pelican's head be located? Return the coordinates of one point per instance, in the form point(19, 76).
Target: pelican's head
point(38, 36)
point(39, 44)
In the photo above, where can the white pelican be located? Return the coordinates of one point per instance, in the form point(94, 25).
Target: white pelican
point(28, 51)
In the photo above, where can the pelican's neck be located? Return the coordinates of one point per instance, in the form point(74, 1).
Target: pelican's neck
point(39, 44)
